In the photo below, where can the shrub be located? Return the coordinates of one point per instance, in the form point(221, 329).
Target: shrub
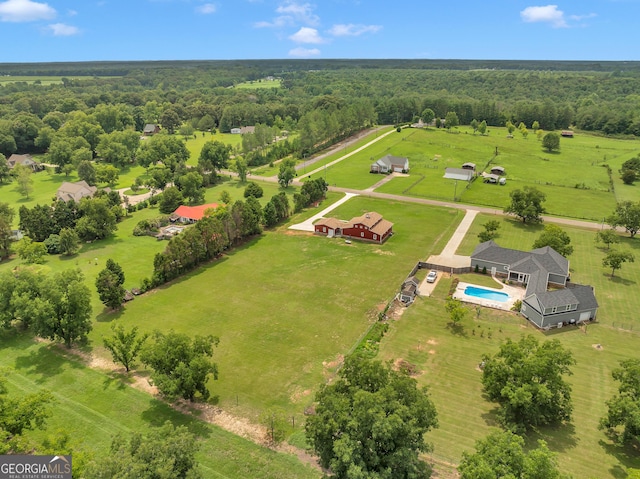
point(253, 189)
point(477, 269)
point(517, 306)
point(484, 270)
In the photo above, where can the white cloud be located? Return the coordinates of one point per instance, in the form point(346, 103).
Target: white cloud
point(62, 30)
point(302, 13)
point(353, 30)
point(206, 9)
point(307, 35)
point(25, 11)
point(292, 13)
point(301, 52)
point(547, 14)
point(579, 18)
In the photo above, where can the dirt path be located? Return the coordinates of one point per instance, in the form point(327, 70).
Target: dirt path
point(217, 416)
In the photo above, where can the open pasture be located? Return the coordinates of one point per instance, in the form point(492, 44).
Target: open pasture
point(93, 406)
point(287, 305)
point(448, 362)
point(258, 84)
point(575, 179)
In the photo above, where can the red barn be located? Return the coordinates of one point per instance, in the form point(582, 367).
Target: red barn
point(368, 227)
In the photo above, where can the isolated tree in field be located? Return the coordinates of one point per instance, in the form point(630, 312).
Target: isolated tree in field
point(428, 115)
point(474, 125)
point(67, 315)
point(556, 238)
point(108, 174)
point(502, 455)
point(124, 346)
point(277, 424)
point(482, 127)
point(371, 422)
point(614, 260)
point(20, 414)
point(109, 285)
point(164, 452)
point(535, 126)
point(490, 231)
point(510, 126)
point(608, 237)
point(24, 180)
point(623, 410)
point(456, 311)
point(451, 120)
point(627, 215)
point(630, 170)
point(181, 365)
point(526, 379)
point(287, 172)
point(526, 204)
point(253, 189)
point(551, 141)
point(241, 169)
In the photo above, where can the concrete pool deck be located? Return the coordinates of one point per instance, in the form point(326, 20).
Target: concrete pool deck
point(514, 293)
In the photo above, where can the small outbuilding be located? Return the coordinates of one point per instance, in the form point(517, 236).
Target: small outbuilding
point(469, 166)
point(497, 170)
point(458, 174)
point(567, 133)
point(150, 129)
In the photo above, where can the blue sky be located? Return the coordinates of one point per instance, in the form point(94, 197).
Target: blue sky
point(84, 30)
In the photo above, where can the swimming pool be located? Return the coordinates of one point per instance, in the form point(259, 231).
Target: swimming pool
point(486, 294)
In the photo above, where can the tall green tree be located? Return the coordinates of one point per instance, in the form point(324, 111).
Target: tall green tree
point(482, 127)
point(69, 242)
point(526, 204)
point(171, 199)
point(163, 453)
point(451, 120)
point(124, 346)
point(428, 115)
point(502, 455)
point(615, 259)
point(67, 316)
point(24, 180)
point(371, 422)
point(287, 172)
point(556, 238)
point(6, 220)
point(87, 172)
point(98, 219)
point(608, 237)
point(31, 251)
point(109, 284)
point(623, 410)
point(191, 187)
point(551, 141)
point(5, 173)
point(627, 215)
point(214, 156)
point(526, 379)
point(181, 365)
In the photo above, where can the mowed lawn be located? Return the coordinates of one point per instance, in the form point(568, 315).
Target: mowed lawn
point(575, 179)
point(448, 362)
point(92, 407)
point(287, 305)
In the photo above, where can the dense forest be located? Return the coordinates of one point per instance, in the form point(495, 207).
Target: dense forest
point(323, 99)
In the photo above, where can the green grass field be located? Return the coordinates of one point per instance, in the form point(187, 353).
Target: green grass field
point(575, 181)
point(92, 407)
point(194, 145)
point(287, 305)
point(449, 362)
point(258, 84)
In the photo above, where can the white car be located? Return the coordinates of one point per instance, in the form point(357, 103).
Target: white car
point(432, 276)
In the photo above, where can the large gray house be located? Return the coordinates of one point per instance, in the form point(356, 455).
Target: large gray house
point(390, 164)
point(551, 299)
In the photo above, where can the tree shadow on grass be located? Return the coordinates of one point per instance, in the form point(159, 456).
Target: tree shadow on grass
point(114, 379)
point(491, 418)
point(620, 281)
point(626, 455)
point(159, 412)
point(457, 329)
point(14, 339)
point(44, 363)
point(107, 315)
point(559, 439)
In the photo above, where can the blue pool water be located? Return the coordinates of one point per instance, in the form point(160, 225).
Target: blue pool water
point(486, 294)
